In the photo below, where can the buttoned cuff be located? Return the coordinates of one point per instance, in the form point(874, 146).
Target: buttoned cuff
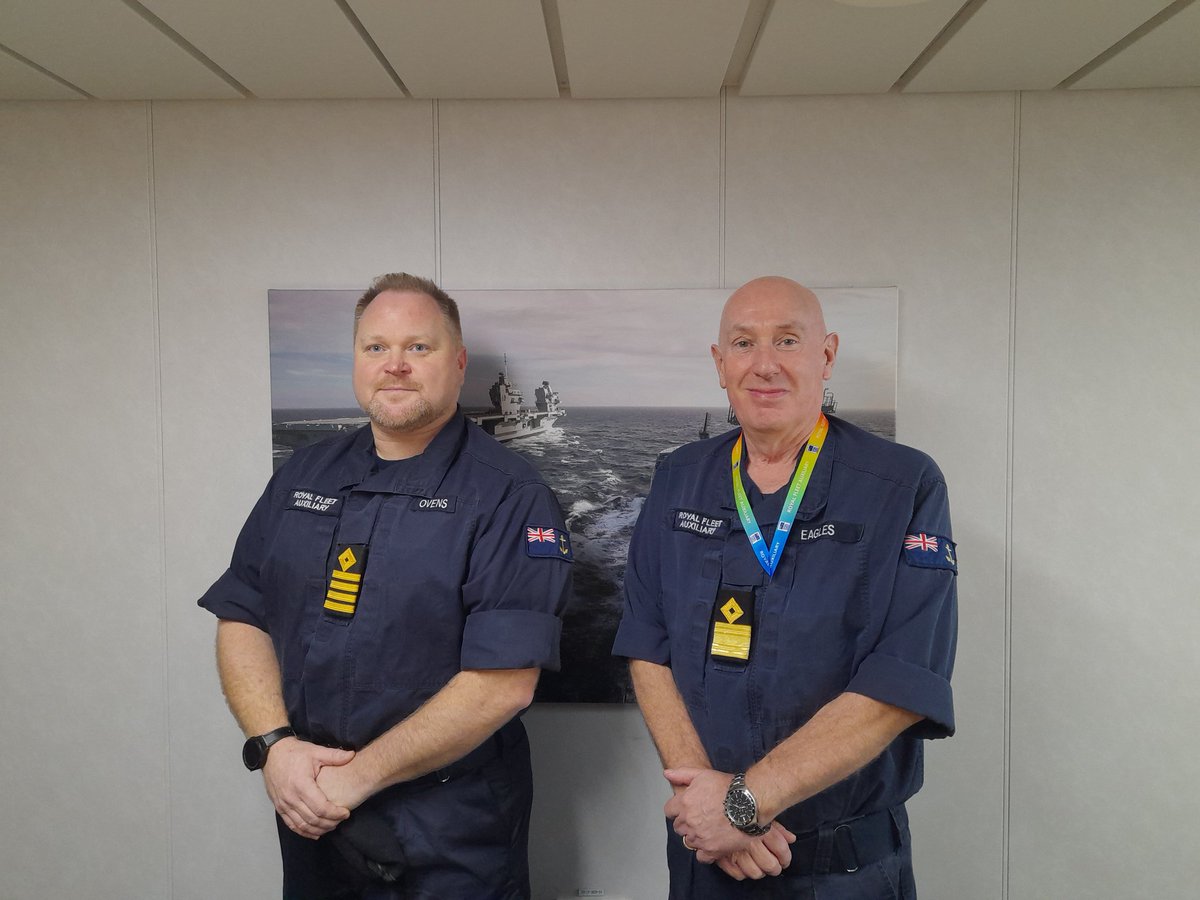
point(917, 689)
point(511, 639)
point(233, 599)
point(637, 640)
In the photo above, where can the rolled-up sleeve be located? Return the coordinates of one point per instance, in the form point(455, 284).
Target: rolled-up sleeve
point(911, 664)
point(642, 633)
point(236, 595)
point(514, 598)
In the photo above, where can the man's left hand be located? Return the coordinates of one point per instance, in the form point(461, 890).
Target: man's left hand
point(699, 813)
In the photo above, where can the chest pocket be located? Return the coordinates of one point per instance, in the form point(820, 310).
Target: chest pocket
point(407, 630)
point(816, 611)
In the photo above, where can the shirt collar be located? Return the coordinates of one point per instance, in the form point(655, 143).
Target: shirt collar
point(816, 496)
point(421, 478)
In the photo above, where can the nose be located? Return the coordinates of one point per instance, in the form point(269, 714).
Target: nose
point(397, 363)
point(766, 360)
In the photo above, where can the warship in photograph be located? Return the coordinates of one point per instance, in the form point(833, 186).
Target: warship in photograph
point(508, 417)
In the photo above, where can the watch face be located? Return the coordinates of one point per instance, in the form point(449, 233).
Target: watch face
point(740, 806)
point(252, 753)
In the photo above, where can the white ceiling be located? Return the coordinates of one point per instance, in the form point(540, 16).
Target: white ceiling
point(222, 49)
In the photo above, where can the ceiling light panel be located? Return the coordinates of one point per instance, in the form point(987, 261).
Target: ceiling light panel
point(106, 49)
point(19, 81)
point(281, 48)
point(1168, 56)
point(831, 47)
point(460, 49)
point(649, 48)
point(1021, 45)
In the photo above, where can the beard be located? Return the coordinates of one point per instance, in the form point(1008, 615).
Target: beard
point(417, 415)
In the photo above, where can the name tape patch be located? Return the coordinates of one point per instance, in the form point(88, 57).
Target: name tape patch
point(314, 502)
point(930, 551)
point(701, 524)
point(548, 543)
point(842, 532)
point(437, 504)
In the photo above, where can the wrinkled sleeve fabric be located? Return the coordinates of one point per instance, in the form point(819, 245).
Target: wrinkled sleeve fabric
point(642, 633)
point(911, 664)
point(236, 595)
point(514, 601)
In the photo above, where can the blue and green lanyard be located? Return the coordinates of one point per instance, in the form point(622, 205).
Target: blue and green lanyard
point(768, 557)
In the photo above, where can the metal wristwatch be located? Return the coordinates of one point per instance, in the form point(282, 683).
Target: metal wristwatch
point(742, 809)
point(254, 751)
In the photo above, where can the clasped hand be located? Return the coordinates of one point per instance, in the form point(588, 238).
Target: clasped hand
point(697, 811)
point(308, 786)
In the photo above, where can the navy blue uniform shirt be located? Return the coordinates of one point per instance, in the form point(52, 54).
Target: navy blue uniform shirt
point(848, 609)
point(467, 567)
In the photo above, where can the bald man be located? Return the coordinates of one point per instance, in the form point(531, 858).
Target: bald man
point(790, 621)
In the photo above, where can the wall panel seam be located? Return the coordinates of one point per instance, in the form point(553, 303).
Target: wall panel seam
point(1014, 245)
point(156, 317)
point(723, 126)
point(437, 193)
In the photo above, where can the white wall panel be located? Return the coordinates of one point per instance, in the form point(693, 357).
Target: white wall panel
point(83, 707)
point(913, 192)
point(1104, 690)
point(252, 197)
point(585, 194)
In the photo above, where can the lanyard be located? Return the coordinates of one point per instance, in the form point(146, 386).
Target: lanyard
point(769, 558)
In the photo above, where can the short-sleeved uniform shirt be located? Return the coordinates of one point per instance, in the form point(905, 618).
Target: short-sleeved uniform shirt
point(462, 561)
point(849, 608)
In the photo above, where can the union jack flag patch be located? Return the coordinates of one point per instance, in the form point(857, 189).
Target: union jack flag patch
point(930, 551)
point(553, 543)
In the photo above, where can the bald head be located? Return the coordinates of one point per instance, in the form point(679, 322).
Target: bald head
point(773, 357)
point(799, 305)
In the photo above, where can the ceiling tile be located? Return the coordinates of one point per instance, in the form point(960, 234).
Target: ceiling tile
point(19, 81)
point(1024, 45)
point(281, 49)
point(1169, 56)
point(463, 48)
point(832, 47)
point(108, 50)
point(649, 48)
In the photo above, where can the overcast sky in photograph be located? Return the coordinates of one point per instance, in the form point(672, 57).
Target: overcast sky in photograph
point(597, 348)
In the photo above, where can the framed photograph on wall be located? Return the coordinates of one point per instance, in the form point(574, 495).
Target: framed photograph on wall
point(591, 386)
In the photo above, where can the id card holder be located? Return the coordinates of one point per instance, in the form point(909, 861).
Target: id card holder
point(732, 625)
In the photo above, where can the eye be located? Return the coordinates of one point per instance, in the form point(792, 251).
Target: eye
point(789, 342)
point(741, 344)
point(373, 348)
point(419, 347)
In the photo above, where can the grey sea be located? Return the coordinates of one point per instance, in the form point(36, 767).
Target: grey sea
point(599, 461)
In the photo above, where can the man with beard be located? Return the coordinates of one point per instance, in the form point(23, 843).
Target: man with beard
point(391, 600)
point(790, 619)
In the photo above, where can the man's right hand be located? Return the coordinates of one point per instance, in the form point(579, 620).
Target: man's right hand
point(290, 775)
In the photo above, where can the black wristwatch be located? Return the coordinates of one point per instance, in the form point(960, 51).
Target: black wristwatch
point(254, 751)
point(742, 809)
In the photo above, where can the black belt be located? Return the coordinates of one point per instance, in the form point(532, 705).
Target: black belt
point(847, 846)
